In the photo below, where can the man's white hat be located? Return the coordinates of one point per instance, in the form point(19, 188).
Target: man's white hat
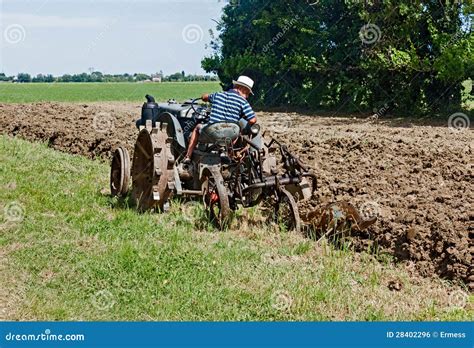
point(244, 81)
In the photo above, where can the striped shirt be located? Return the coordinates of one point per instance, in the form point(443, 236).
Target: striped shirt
point(229, 107)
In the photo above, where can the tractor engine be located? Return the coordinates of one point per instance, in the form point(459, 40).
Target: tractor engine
point(183, 113)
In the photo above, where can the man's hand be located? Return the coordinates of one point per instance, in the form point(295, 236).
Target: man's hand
point(248, 126)
point(205, 97)
point(252, 121)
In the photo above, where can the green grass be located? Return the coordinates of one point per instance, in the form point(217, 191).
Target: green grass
point(97, 92)
point(73, 253)
point(90, 92)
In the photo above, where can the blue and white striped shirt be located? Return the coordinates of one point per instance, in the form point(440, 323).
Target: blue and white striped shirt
point(229, 106)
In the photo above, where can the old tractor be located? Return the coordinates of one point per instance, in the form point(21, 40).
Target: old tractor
point(232, 166)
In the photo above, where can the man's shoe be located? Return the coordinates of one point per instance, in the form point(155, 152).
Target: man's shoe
point(187, 160)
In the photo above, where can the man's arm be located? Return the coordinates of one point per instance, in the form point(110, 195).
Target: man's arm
point(209, 97)
point(248, 113)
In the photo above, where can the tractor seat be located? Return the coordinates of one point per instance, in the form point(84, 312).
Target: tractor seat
point(220, 133)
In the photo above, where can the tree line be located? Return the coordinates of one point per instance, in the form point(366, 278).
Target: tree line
point(97, 76)
point(351, 55)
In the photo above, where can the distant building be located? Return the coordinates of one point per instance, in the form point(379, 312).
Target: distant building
point(158, 77)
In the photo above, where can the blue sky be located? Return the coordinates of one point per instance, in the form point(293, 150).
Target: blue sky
point(113, 36)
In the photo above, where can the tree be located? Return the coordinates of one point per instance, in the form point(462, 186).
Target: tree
point(23, 77)
point(38, 78)
point(81, 78)
point(49, 78)
point(176, 77)
point(96, 76)
point(351, 55)
point(3, 77)
point(141, 77)
point(65, 78)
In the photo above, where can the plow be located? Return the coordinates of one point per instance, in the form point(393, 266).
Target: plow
point(233, 166)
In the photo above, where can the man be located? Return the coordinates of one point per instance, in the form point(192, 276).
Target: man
point(230, 106)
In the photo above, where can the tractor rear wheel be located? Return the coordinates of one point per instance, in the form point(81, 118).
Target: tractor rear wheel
point(216, 199)
point(152, 170)
point(120, 172)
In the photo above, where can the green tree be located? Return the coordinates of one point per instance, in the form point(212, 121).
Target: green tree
point(176, 77)
point(38, 78)
point(351, 55)
point(49, 78)
point(23, 77)
point(3, 77)
point(96, 76)
point(141, 77)
point(65, 78)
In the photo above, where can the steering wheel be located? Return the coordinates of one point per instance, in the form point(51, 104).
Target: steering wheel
point(199, 114)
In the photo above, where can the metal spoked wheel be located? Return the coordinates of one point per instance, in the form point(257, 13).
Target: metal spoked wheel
point(216, 199)
point(152, 170)
point(286, 212)
point(120, 172)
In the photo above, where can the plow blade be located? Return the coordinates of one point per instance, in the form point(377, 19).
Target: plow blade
point(336, 217)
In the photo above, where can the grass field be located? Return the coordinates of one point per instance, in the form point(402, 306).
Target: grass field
point(134, 92)
point(70, 252)
point(90, 92)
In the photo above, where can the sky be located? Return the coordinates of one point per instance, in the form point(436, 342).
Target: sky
point(112, 36)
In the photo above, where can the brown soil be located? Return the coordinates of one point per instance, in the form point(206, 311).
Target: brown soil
point(417, 178)
point(91, 130)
